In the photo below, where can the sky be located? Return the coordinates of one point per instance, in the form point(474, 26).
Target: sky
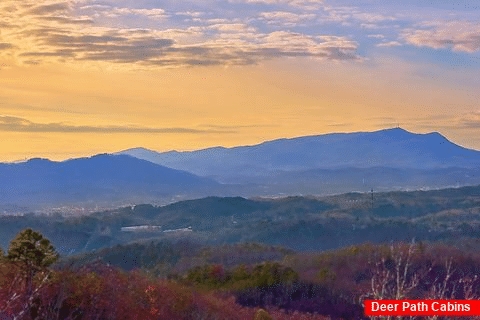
point(81, 77)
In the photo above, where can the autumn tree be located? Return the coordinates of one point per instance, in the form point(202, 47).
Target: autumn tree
point(395, 276)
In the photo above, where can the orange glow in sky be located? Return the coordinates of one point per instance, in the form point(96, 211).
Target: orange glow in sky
point(81, 77)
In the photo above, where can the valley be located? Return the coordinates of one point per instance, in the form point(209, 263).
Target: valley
point(298, 223)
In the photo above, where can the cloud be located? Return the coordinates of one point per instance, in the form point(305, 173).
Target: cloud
point(389, 44)
point(5, 25)
point(70, 32)
point(212, 21)
point(461, 36)
point(265, 1)
point(470, 120)
point(151, 13)
point(372, 17)
point(466, 121)
point(96, 7)
point(63, 19)
point(4, 46)
point(235, 127)
point(340, 124)
point(194, 14)
point(233, 44)
point(231, 27)
point(352, 16)
point(50, 8)
point(286, 18)
point(47, 54)
point(297, 3)
point(309, 5)
point(287, 44)
point(376, 36)
point(114, 47)
point(369, 26)
point(37, 108)
point(16, 124)
point(340, 15)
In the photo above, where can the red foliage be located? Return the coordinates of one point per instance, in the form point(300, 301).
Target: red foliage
point(106, 293)
point(217, 272)
point(282, 315)
point(102, 292)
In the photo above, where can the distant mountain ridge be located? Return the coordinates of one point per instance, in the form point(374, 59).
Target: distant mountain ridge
point(385, 160)
point(102, 178)
point(392, 148)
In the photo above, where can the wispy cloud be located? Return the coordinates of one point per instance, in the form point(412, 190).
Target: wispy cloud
point(286, 18)
point(47, 54)
point(303, 4)
point(340, 124)
point(50, 8)
point(4, 46)
point(8, 108)
point(234, 127)
point(462, 121)
point(372, 17)
point(150, 13)
point(389, 44)
point(457, 35)
point(194, 14)
point(68, 20)
point(17, 124)
point(470, 120)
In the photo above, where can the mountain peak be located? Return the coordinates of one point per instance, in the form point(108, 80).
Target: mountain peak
point(400, 133)
point(38, 161)
point(396, 130)
point(137, 149)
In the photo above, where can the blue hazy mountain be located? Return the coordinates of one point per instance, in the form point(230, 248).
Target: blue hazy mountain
point(390, 148)
point(391, 159)
point(101, 178)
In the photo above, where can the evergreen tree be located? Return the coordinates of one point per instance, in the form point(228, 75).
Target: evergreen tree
point(33, 252)
point(32, 249)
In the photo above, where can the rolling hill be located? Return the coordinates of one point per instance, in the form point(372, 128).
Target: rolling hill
point(298, 223)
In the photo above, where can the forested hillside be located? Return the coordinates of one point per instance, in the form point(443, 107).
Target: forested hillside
point(299, 223)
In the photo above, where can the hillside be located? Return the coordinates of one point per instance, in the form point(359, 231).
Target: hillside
point(298, 223)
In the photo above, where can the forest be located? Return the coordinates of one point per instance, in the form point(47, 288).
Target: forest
point(176, 280)
point(237, 258)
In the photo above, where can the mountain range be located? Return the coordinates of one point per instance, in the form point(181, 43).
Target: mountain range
point(390, 148)
point(391, 159)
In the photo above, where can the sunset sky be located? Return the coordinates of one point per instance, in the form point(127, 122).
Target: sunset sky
point(81, 77)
